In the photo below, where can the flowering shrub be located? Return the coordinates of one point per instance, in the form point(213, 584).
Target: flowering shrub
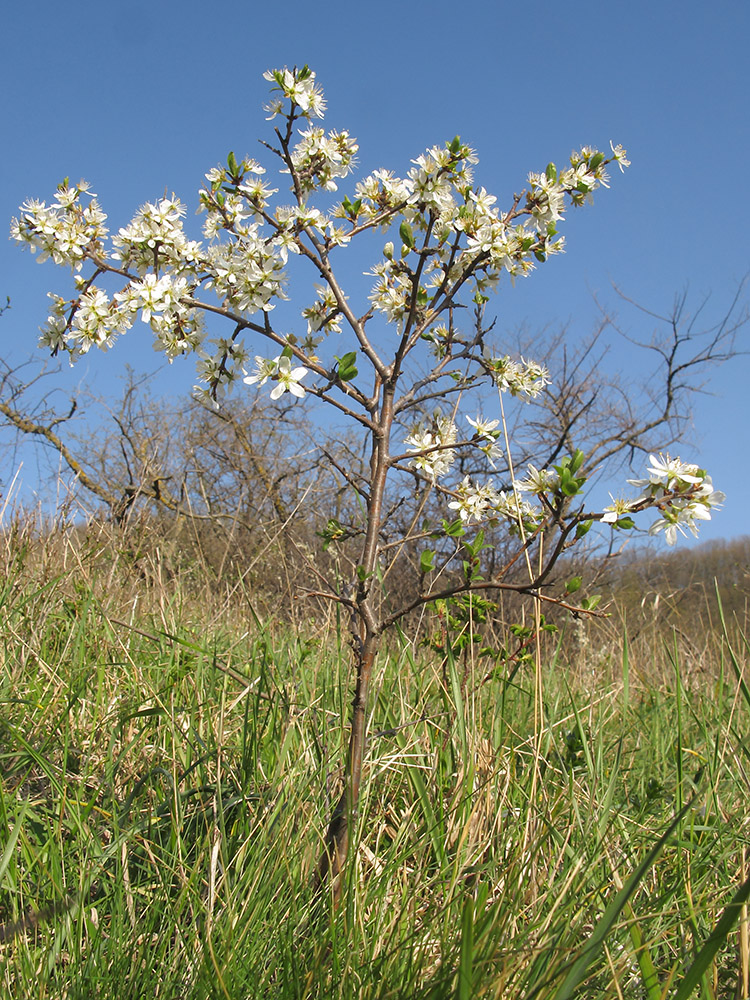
point(447, 244)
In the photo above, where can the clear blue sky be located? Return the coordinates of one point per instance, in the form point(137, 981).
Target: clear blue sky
point(140, 98)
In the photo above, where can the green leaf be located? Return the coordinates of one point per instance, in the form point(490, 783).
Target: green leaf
point(583, 529)
point(589, 603)
point(232, 164)
point(332, 532)
point(551, 172)
point(347, 368)
point(454, 529)
point(455, 145)
point(568, 484)
point(573, 584)
point(596, 160)
point(426, 559)
point(406, 234)
point(477, 545)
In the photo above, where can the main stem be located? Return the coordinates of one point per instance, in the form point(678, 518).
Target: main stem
point(367, 631)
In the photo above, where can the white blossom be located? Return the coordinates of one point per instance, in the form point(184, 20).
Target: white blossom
point(682, 492)
point(65, 231)
point(484, 428)
point(299, 87)
point(433, 445)
point(537, 480)
point(280, 370)
point(319, 158)
point(519, 378)
point(617, 509)
point(474, 502)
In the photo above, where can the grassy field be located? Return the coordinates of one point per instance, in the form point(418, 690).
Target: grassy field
point(168, 763)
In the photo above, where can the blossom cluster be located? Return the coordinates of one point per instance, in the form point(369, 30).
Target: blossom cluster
point(155, 238)
point(520, 378)
point(438, 197)
point(67, 231)
point(433, 445)
point(236, 192)
point(682, 493)
point(319, 158)
point(479, 502)
point(323, 314)
point(298, 87)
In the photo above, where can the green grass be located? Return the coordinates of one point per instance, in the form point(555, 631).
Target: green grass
point(167, 771)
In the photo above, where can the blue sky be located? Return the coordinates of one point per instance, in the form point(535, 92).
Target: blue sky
point(143, 98)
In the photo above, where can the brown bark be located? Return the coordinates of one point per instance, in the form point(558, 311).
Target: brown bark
point(330, 868)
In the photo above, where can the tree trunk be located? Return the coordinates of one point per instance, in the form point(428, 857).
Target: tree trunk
point(344, 817)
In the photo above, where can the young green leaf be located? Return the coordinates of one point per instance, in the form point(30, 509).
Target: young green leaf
point(406, 234)
point(426, 560)
point(347, 368)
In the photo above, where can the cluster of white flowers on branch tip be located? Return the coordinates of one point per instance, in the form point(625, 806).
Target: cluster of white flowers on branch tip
point(392, 293)
point(324, 314)
point(435, 454)
point(482, 502)
point(154, 238)
point(67, 231)
point(153, 295)
point(683, 494)
point(538, 481)
point(247, 274)
point(299, 87)
point(520, 378)
point(319, 158)
point(381, 193)
point(280, 370)
point(235, 193)
point(475, 501)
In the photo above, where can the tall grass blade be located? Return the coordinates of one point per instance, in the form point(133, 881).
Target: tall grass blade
point(713, 942)
point(591, 949)
point(466, 955)
point(12, 838)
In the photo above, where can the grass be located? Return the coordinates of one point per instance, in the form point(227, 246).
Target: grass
point(167, 769)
